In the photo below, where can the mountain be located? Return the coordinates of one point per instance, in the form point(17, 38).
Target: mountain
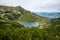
point(51, 15)
point(17, 14)
point(9, 13)
point(12, 15)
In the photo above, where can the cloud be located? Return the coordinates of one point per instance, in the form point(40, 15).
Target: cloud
point(9, 2)
point(34, 5)
point(42, 5)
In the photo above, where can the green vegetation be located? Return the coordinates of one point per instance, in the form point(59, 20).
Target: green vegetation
point(56, 22)
point(5, 25)
point(10, 29)
point(30, 34)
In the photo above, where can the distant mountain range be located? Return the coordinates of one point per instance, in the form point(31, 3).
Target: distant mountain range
point(49, 14)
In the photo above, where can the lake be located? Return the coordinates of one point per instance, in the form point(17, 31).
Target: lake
point(29, 24)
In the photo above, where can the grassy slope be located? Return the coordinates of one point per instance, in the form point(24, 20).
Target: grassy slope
point(56, 22)
point(19, 14)
point(29, 16)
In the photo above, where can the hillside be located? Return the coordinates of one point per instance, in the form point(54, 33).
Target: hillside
point(17, 14)
point(8, 13)
point(56, 22)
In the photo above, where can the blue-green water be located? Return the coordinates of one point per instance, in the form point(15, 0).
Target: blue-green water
point(29, 24)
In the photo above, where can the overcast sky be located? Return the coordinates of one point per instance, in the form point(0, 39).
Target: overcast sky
point(35, 5)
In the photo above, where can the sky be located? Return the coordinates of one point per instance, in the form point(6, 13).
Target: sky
point(35, 5)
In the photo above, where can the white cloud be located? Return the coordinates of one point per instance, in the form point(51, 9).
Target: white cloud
point(10, 2)
point(34, 5)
